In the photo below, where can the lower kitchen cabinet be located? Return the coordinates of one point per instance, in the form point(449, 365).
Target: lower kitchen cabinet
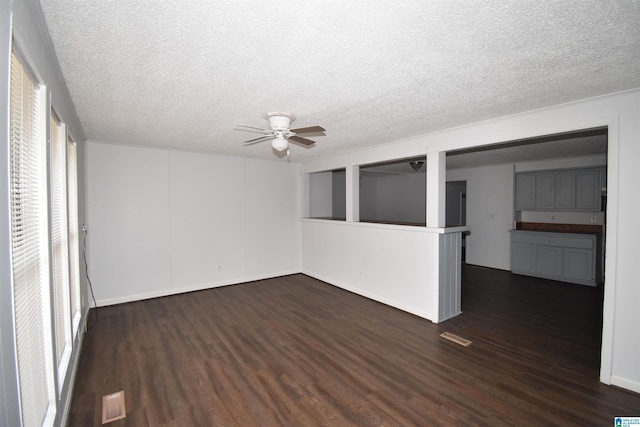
point(565, 257)
point(523, 258)
point(577, 264)
point(549, 260)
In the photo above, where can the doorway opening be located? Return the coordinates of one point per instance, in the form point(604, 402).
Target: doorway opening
point(491, 205)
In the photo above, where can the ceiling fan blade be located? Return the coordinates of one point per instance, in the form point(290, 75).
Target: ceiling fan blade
point(251, 130)
point(260, 138)
point(301, 140)
point(309, 129)
point(253, 127)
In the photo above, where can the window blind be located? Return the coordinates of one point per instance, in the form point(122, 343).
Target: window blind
point(29, 252)
point(74, 241)
point(59, 244)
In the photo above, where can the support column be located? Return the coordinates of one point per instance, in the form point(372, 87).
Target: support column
point(436, 188)
point(304, 207)
point(353, 193)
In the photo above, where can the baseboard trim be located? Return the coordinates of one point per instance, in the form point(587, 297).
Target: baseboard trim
point(184, 289)
point(625, 383)
point(395, 304)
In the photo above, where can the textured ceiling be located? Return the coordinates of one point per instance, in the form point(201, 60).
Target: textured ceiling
point(182, 73)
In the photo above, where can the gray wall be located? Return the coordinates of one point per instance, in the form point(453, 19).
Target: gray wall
point(31, 37)
point(320, 198)
point(393, 198)
point(455, 211)
point(339, 194)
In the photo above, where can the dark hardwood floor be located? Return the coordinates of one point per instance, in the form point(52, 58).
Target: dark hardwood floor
point(295, 351)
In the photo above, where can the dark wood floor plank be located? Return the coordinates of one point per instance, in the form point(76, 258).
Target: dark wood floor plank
point(299, 352)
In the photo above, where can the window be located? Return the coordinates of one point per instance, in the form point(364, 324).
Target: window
point(59, 244)
point(29, 249)
point(74, 241)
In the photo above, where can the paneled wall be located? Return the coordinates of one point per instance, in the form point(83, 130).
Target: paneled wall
point(163, 222)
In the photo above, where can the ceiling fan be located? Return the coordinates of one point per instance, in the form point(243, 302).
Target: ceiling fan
point(280, 131)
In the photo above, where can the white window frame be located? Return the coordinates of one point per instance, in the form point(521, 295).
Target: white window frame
point(59, 244)
point(30, 283)
point(74, 234)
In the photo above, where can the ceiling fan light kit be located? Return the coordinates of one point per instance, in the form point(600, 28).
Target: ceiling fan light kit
point(416, 165)
point(280, 143)
point(280, 131)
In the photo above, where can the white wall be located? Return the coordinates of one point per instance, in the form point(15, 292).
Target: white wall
point(489, 213)
point(620, 113)
point(128, 221)
point(272, 227)
point(206, 219)
point(396, 265)
point(163, 222)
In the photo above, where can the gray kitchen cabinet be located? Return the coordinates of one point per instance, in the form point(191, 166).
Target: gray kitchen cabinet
point(525, 191)
point(545, 191)
point(560, 190)
point(523, 258)
point(564, 257)
point(589, 184)
point(549, 261)
point(577, 264)
point(565, 186)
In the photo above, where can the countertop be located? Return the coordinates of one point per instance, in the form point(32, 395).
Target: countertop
point(560, 228)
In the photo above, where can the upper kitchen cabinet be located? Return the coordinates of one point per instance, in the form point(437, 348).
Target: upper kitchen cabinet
point(560, 190)
point(525, 191)
point(565, 191)
point(589, 189)
point(545, 191)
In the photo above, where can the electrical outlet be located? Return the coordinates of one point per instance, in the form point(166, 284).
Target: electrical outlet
point(84, 228)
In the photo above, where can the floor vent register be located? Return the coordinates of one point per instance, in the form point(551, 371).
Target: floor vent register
point(113, 407)
point(456, 339)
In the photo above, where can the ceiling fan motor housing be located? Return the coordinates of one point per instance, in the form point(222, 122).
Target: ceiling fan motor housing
point(280, 121)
